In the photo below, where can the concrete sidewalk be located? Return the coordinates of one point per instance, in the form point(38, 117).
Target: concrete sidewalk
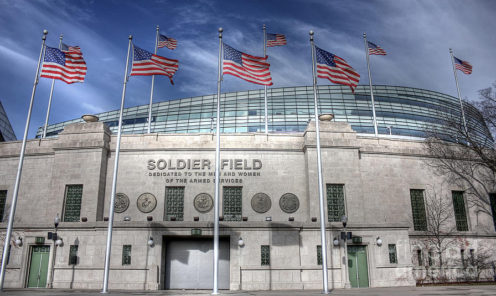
point(400, 291)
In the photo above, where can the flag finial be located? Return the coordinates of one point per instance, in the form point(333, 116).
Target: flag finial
point(311, 35)
point(130, 37)
point(220, 32)
point(61, 37)
point(364, 35)
point(45, 32)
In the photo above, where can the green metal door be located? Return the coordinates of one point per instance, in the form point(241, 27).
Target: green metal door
point(357, 267)
point(38, 269)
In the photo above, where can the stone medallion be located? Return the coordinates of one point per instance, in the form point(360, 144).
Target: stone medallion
point(289, 203)
point(146, 202)
point(121, 203)
point(203, 202)
point(261, 203)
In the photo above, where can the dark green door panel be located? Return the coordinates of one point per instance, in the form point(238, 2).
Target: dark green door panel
point(357, 266)
point(38, 269)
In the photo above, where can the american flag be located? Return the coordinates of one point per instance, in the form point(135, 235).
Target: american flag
point(375, 49)
point(145, 64)
point(247, 67)
point(463, 66)
point(275, 39)
point(67, 64)
point(334, 68)
point(164, 41)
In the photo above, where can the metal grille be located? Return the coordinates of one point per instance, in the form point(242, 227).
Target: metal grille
point(319, 255)
point(73, 254)
point(460, 214)
point(265, 258)
point(418, 209)
point(231, 203)
point(335, 202)
point(174, 197)
point(126, 255)
point(3, 198)
point(392, 253)
point(73, 196)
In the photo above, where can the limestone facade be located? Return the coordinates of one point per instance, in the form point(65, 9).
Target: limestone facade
point(377, 174)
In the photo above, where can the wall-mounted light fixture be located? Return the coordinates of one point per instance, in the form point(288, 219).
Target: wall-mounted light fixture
point(150, 242)
point(268, 218)
point(241, 243)
point(378, 240)
point(127, 218)
point(18, 242)
point(59, 242)
point(335, 242)
point(56, 221)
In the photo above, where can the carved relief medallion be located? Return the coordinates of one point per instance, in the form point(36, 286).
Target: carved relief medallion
point(121, 203)
point(261, 203)
point(146, 202)
point(203, 202)
point(289, 203)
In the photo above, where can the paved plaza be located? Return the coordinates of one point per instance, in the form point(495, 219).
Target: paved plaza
point(397, 291)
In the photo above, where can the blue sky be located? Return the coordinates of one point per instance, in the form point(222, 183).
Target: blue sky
point(417, 36)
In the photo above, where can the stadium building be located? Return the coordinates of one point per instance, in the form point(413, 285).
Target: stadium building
point(270, 234)
point(6, 131)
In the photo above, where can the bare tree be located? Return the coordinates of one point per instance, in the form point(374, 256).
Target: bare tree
point(465, 153)
point(440, 234)
point(487, 106)
point(482, 261)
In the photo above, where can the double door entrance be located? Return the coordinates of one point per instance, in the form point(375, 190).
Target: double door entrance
point(38, 267)
point(357, 266)
point(189, 263)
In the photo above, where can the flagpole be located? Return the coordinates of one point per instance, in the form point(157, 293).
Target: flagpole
point(265, 86)
point(217, 173)
point(319, 167)
point(370, 84)
point(458, 90)
point(114, 178)
point(6, 245)
point(151, 91)
point(51, 94)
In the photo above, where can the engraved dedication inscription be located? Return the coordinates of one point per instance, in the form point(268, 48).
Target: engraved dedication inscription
point(146, 202)
point(203, 202)
point(289, 203)
point(261, 203)
point(121, 203)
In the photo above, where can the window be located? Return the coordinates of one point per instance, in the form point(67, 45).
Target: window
point(126, 255)
point(492, 198)
point(472, 257)
point(174, 203)
point(265, 255)
point(319, 255)
point(392, 253)
point(419, 258)
point(462, 257)
point(335, 202)
point(73, 259)
point(72, 208)
point(430, 258)
point(460, 213)
point(232, 201)
point(3, 198)
point(418, 209)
